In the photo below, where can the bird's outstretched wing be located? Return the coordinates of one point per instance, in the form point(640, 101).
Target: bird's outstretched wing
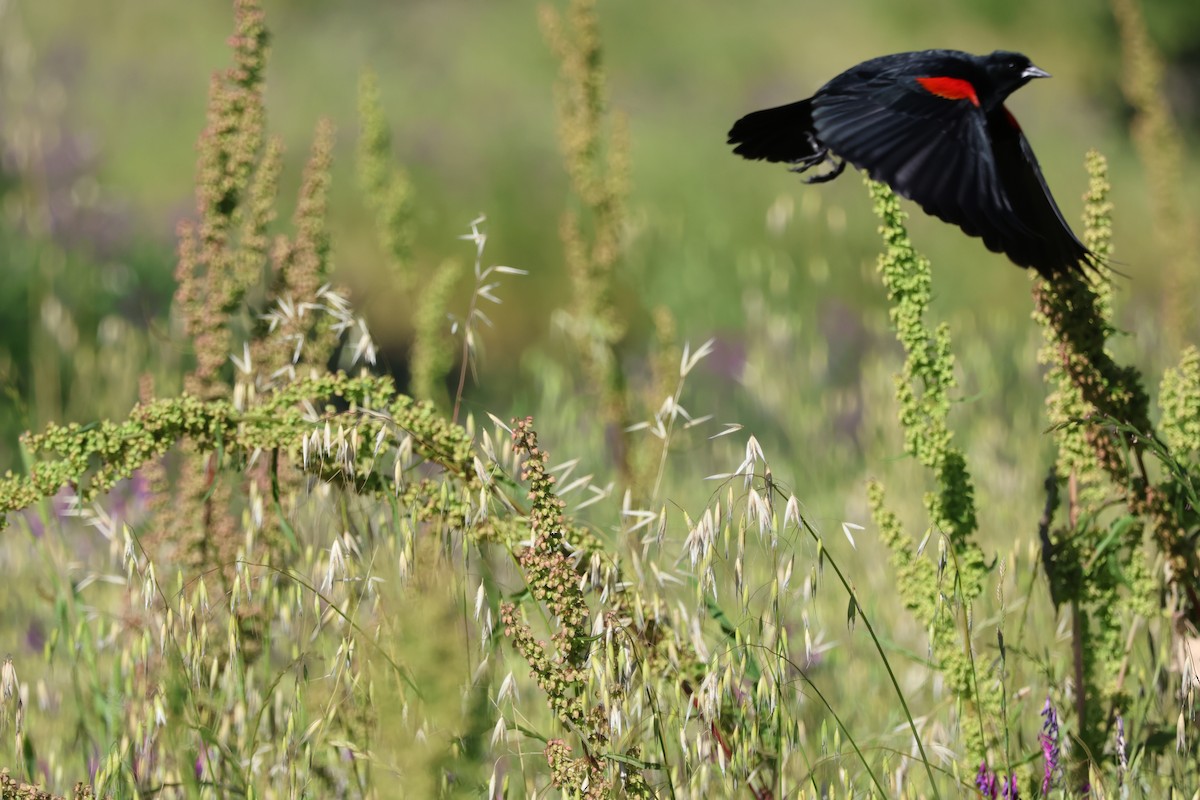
point(1054, 245)
point(930, 140)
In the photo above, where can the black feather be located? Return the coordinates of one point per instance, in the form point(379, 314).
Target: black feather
point(933, 126)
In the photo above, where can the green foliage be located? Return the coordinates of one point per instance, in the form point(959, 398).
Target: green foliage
point(1118, 429)
point(387, 190)
point(1090, 565)
point(561, 673)
point(1160, 146)
point(222, 256)
point(1066, 403)
point(93, 458)
point(596, 154)
point(1095, 559)
point(432, 348)
point(923, 393)
point(1179, 398)
point(384, 185)
point(923, 386)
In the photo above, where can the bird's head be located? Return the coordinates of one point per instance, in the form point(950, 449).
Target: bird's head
point(1010, 71)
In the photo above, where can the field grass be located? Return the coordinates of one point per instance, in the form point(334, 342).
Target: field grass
point(777, 548)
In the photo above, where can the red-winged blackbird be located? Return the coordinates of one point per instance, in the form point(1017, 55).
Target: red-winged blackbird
point(933, 126)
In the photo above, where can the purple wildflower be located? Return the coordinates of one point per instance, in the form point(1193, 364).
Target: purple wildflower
point(129, 499)
point(1049, 739)
point(205, 763)
point(985, 781)
point(35, 636)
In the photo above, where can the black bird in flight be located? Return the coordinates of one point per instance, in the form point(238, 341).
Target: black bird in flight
point(933, 126)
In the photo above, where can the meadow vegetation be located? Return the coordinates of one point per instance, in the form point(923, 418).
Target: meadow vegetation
point(818, 551)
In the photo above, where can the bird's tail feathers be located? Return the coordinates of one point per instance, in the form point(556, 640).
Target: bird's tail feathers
point(784, 134)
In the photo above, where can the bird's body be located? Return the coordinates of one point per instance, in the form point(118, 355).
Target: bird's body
point(932, 125)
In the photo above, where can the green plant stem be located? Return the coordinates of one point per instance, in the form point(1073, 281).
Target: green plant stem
point(862, 614)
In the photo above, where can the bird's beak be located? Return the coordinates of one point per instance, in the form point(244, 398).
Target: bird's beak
point(1034, 72)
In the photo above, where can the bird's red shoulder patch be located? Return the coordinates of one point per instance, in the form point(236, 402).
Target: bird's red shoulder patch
point(949, 88)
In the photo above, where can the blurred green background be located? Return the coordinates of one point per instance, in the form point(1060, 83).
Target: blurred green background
point(101, 105)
